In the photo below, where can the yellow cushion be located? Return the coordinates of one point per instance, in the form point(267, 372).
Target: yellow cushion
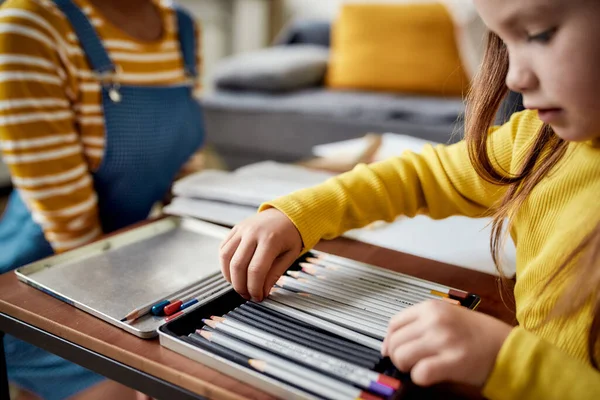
point(396, 47)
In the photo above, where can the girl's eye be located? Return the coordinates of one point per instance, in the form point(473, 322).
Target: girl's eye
point(542, 37)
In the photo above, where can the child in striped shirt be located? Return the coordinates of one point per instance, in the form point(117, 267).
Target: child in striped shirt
point(97, 115)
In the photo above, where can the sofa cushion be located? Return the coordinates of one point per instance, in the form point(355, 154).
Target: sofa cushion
point(250, 127)
point(408, 48)
point(275, 69)
point(347, 104)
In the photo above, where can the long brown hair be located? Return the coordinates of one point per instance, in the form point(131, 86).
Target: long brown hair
point(484, 100)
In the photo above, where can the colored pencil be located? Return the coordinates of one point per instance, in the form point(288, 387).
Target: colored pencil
point(352, 314)
point(296, 305)
point(370, 305)
point(198, 341)
point(292, 377)
point(362, 377)
point(309, 272)
point(262, 313)
point(372, 269)
point(311, 381)
point(344, 332)
point(158, 309)
point(360, 359)
point(146, 308)
point(393, 302)
point(192, 298)
point(200, 301)
point(374, 278)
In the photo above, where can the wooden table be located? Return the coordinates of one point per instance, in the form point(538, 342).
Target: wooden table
point(146, 366)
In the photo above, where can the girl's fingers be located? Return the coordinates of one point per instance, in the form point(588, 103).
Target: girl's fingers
point(280, 265)
point(238, 266)
point(400, 337)
point(408, 354)
point(226, 254)
point(258, 268)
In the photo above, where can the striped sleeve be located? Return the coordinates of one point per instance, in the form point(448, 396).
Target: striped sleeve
point(199, 63)
point(38, 135)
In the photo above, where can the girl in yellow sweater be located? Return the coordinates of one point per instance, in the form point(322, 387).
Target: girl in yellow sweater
point(540, 172)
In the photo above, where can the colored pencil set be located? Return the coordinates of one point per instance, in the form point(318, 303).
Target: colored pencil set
point(321, 328)
point(182, 301)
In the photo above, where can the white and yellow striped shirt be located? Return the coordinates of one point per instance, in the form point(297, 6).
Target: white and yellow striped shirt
point(51, 119)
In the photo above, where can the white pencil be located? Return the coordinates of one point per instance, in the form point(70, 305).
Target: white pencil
point(310, 272)
point(399, 303)
point(346, 333)
point(311, 378)
point(372, 269)
point(299, 381)
point(360, 376)
point(346, 311)
point(374, 278)
point(366, 304)
point(378, 333)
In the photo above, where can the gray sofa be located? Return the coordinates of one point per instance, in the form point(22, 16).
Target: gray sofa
point(246, 126)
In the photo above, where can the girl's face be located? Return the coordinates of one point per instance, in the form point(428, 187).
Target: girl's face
point(554, 54)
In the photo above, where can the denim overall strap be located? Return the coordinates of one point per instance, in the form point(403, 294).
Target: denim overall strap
point(187, 41)
point(91, 44)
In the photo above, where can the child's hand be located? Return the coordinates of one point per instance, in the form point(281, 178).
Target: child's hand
point(257, 251)
point(441, 342)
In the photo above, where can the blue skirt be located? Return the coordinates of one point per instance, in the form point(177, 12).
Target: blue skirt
point(45, 374)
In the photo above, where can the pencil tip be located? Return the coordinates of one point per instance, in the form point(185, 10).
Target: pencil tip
point(210, 322)
point(295, 274)
point(257, 364)
point(281, 281)
point(206, 334)
point(217, 318)
point(273, 290)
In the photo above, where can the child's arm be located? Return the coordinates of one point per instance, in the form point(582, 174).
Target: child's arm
point(38, 134)
point(440, 182)
point(529, 367)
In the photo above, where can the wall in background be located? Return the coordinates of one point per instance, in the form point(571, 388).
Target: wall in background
point(230, 27)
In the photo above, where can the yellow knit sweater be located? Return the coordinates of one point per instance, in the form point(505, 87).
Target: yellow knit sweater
point(536, 362)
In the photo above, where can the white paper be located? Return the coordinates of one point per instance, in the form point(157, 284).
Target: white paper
point(219, 213)
point(459, 241)
point(392, 144)
point(250, 185)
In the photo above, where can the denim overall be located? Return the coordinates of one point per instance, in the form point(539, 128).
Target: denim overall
point(150, 133)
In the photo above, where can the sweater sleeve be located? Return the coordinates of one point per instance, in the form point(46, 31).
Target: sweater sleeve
point(38, 132)
point(528, 367)
point(439, 182)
